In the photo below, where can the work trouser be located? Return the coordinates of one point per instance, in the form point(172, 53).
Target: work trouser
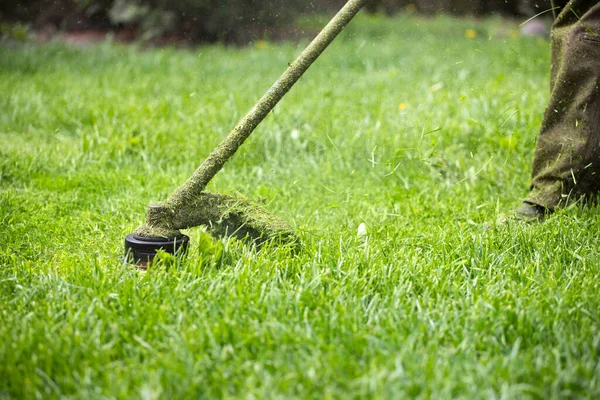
point(566, 165)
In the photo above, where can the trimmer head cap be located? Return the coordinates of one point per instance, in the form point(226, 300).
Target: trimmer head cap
point(142, 250)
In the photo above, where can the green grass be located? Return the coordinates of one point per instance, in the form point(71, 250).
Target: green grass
point(434, 302)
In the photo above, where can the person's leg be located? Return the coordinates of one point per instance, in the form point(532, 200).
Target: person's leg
point(566, 166)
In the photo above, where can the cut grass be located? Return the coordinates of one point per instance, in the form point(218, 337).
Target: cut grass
point(432, 302)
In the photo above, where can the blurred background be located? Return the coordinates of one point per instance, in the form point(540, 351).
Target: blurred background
point(186, 22)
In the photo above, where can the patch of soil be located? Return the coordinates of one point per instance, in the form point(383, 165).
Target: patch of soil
point(86, 37)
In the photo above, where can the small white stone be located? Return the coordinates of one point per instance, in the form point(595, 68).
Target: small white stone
point(437, 86)
point(258, 171)
point(362, 230)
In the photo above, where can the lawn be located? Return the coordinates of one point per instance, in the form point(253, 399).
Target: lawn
point(422, 129)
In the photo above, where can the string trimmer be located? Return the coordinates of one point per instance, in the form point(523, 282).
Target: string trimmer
point(189, 205)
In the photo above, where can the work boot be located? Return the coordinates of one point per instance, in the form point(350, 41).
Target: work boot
point(526, 213)
point(530, 212)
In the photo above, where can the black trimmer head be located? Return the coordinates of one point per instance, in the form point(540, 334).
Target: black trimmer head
point(142, 250)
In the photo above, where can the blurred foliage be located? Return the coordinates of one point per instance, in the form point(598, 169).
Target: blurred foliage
point(462, 7)
point(17, 31)
point(222, 20)
point(194, 20)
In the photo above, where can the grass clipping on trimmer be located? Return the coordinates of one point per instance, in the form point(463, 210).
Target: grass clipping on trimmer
point(223, 216)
